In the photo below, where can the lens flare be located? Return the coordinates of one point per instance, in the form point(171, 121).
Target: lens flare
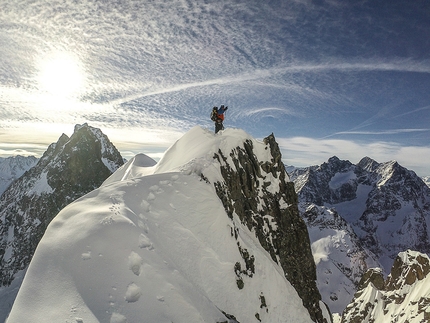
point(61, 75)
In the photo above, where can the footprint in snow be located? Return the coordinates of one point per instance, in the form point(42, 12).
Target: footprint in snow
point(145, 205)
point(133, 293)
point(117, 318)
point(142, 225)
point(135, 263)
point(144, 242)
point(166, 183)
point(156, 189)
point(151, 197)
point(86, 255)
point(115, 208)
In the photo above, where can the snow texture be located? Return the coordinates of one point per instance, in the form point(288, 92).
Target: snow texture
point(154, 244)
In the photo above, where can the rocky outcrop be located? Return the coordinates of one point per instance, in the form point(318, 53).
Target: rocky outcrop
point(403, 297)
point(263, 198)
point(69, 168)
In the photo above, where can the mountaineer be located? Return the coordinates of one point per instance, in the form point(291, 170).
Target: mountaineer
point(217, 116)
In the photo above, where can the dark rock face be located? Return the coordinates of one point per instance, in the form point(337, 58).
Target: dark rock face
point(374, 276)
point(260, 195)
point(68, 169)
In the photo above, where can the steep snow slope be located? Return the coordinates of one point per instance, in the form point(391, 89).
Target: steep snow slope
point(155, 245)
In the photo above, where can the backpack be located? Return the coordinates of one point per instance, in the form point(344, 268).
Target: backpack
point(214, 114)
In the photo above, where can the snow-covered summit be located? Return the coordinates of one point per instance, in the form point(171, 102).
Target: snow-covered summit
point(426, 180)
point(170, 243)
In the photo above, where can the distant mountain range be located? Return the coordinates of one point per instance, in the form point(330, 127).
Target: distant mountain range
point(358, 217)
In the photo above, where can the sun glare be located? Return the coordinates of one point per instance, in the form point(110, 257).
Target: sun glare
point(61, 75)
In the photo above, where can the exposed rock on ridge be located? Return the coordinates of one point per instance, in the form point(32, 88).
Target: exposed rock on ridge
point(265, 201)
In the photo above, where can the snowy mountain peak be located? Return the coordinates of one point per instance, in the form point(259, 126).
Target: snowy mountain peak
point(426, 180)
point(404, 297)
point(368, 164)
point(69, 168)
point(209, 234)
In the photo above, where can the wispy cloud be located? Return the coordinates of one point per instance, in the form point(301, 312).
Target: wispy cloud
point(383, 132)
point(413, 111)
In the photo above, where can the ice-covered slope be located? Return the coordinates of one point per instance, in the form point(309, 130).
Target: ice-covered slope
point(156, 245)
point(12, 168)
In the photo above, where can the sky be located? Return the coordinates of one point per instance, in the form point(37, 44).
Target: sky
point(336, 77)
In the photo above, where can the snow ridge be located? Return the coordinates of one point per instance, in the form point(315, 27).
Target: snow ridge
point(155, 244)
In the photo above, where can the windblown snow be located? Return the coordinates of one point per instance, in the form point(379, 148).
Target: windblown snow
point(154, 244)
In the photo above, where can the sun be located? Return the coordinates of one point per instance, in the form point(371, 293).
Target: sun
point(61, 75)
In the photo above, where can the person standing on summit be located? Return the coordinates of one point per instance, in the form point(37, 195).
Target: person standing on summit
point(217, 116)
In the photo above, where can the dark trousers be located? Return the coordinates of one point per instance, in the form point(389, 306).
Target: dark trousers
point(218, 126)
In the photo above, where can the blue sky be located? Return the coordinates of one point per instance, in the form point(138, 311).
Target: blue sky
point(344, 78)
